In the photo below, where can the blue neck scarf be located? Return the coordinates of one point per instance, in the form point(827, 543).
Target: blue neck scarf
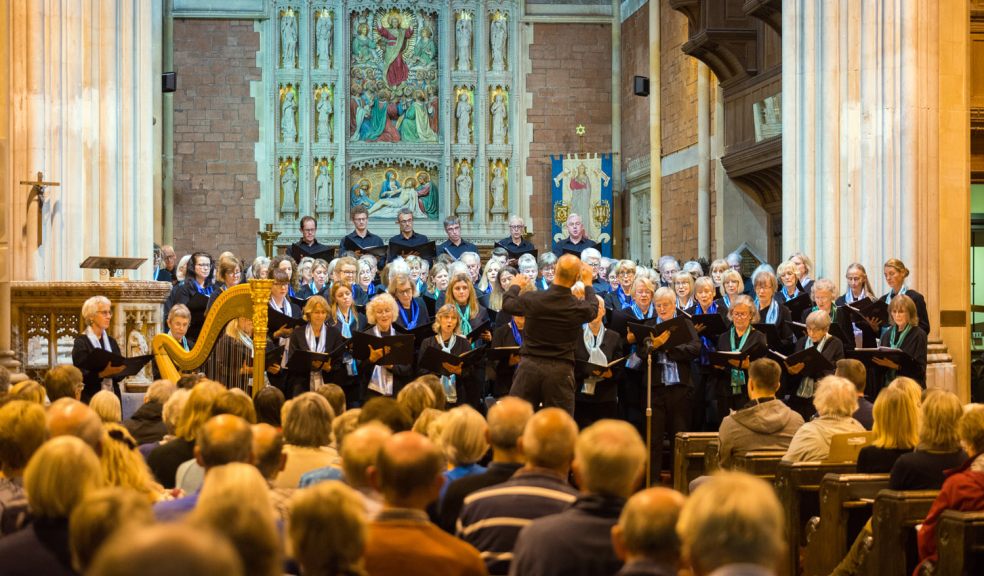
point(205, 290)
point(623, 299)
point(410, 323)
point(772, 316)
point(517, 335)
point(345, 323)
point(638, 311)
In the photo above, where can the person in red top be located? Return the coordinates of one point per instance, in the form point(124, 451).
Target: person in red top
point(964, 488)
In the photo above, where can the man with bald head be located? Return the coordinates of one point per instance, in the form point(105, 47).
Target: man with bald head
point(545, 375)
point(68, 417)
point(492, 518)
point(645, 537)
point(507, 419)
point(402, 540)
point(222, 439)
point(270, 459)
point(576, 240)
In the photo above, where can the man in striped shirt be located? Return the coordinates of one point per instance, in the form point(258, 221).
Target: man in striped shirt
point(492, 518)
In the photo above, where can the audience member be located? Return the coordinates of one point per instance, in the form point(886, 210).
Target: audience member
point(166, 550)
point(269, 459)
point(102, 514)
point(28, 390)
point(327, 530)
point(59, 476)
point(165, 459)
point(506, 421)
point(335, 396)
point(609, 461)
point(67, 417)
point(855, 371)
point(835, 400)
point(146, 425)
point(401, 540)
point(169, 415)
point(645, 538)
point(765, 423)
point(896, 431)
point(433, 382)
point(387, 411)
point(464, 440)
point(428, 417)
point(307, 432)
point(237, 403)
point(733, 524)
point(107, 406)
point(22, 432)
point(938, 449)
point(63, 381)
point(415, 398)
point(268, 404)
point(491, 519)
point(123, 466)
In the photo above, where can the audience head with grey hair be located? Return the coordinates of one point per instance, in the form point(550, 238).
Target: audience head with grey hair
point(645, 537)
point(609, 462)
point(167, 549)
point(732, 519)
point(67, 417)
point(836, 400)
point(491, 518)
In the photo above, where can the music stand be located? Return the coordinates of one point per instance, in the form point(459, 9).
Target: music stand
point(112, 264)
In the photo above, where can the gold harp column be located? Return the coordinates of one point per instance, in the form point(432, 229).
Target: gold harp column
point(260, 289)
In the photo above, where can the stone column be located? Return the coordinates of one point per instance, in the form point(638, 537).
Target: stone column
point(655, 135)
point(7, 192)
point(874, 131)
point(81, 100)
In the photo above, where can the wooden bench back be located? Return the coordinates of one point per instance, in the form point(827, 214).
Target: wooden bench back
point(760, 463)
point(894, 516)
point(961, 543)
point(688, 457)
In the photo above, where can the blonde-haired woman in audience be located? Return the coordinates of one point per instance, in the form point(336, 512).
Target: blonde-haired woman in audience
point(58, 478)
point(235, 503)
point(123, 466)
point(422, 425)
point(107, 406)
point(896, 431)
point(464, 440)
point(28, 390)
point(836, 400)
point(328, 530)
point(415, 397)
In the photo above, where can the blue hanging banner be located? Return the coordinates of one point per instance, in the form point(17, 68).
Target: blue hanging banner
point(582, 184)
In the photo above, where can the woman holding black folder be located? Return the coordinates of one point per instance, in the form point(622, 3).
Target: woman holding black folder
point(904, 334)
point(895, 276)
point(195, 291)
point(740, 338)
point(631, 389)
point(823, 295)
point(97, 313)
point(621, 297)
point(858, 289)
point(472, 316)
point(317, 336)
point(596, 390)
point(703, 374)
point(799, 386)
point(771, 311)
point(786, 274)
point(508, 335)
point(343, 316)
point(447, 339)
point(228, 274)
point(383, 380)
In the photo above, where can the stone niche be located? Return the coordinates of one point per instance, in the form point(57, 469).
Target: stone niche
point(46, 317)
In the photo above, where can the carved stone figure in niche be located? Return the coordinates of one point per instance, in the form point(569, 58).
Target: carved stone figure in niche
point(463, 113)
point(288, 122)
point(425, 51)
point(463, 185)
point(362, 102)
point(288, 39)
point(396, 39)
point(137, 346)
point(323, 192)
point(499, 113)
point(462, 40)
point(498, 38)
point(323, 36)
point(498, 188)
point(325, 110)
point(288, 185)
point(363, 47)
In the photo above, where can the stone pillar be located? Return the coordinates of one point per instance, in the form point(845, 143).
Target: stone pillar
point(655, 135)
point(875, 129)
point(7, 192)
point(82, 111)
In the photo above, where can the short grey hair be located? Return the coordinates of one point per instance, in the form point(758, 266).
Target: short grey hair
point(160, 391)
point(590, 253)
point(463, 436)
point(470, 256)
point(835, 396)
point(91, 306)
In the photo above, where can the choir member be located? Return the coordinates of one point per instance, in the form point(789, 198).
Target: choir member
point(304, 272)
point(365, 289)
point(668, 267)
point(233, 355)
point(611, 274)
point(771, 311)
point(346, 270)
point(418, 272)
point(904, 333)
point(281, 303)
point(344, 316)
point(454, 246)
point(489, 275)
point(740, 337)
point(507, 335)
point(592, 257)
point(361, 236)
point(596, 390)
point(858, 288)
point(447, 338)
point(718, 268)
point(670, 376)
point(527, 267)
point(288, 265)
point(895, 276)
point(407, 236)
point(693, 268)
point(546, 266)
point(472, 315)
point(319, 280)
point(576, 240)
point(704, 375)
point(787, 275)
point(195, 291)
point(823, 294)
point(732, 285)
point(178, 320)
point(260, 267)
point(631, 390)
point(228, 273)
point(97, 314)
point(804, 268)
point(411, 310)
point(437, 281)
point(316, 336)
point(515, 243)
point(798, 390)
point(308, 245)
point(383, 380)
point(502, 282)
point(683, 286)
point(621, 297)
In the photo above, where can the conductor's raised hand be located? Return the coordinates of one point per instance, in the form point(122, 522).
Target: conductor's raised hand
point(520, 280)
point(587, 274)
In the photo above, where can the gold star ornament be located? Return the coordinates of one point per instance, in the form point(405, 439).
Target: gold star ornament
point(579, 130)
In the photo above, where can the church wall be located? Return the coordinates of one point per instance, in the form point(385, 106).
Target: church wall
point(635, 109)
point(215, 131)
point(679, 218)
point(570, 84)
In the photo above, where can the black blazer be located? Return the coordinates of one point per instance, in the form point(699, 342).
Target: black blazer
point(611, 300)
point(502, 337)
point(336, 374)
point(605, 390)
point(915, 345)
point(358, 323)
point(184, 293)
point(305, 292)
point(461, 346)
point(423, 319)
point(91, 382)
point(843, 323)
point(869, 337)
point(782, 324)
point(757, 345)
point(920, 303)
point(683, 355)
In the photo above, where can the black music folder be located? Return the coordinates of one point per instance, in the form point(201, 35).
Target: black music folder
point(326, 253)
point(680, 328)
point(349, 245)
point(419, 333)
point(277, 320)
point(869, 308)
point(867, 355)
point(771, 332)
point(476, 332)
point(308, 361)
point(427, 250)
point(435, 358)
point(503, 352)
point(515, 253)
point(815, 364)
point(798, 305)
point(714, 324)
point(400, 347)
point(590, 368)
point(98, 359)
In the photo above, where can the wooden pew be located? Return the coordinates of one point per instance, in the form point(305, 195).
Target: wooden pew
point(798, 487)
point(760, 463)
point(894, 517)
point(711, 457)
point(845, 507)
point(960, 538)
point(688, 457)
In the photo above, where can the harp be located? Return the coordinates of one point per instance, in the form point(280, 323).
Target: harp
point(247, 300)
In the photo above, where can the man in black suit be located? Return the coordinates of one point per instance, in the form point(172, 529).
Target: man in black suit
point(308, 245)
point(576, 241)
point(455, 245)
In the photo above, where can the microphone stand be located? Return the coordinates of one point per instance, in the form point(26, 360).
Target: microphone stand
point(649, 417)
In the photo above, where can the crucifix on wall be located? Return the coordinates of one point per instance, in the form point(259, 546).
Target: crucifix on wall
point(37, 193)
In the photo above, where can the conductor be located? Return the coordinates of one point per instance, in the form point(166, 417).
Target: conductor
point(545, 375)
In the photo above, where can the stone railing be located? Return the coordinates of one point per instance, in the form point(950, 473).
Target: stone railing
point(46, 317)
